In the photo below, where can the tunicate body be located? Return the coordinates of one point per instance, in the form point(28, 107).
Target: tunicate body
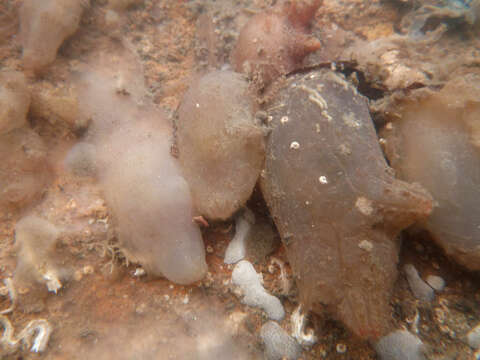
point(334, 200)
point(81, 159)
point(14, 100)
point(275, 42)
point(24, 171)
point(35, 239)
point(44, 26)
point(435, 143)
point(142, 183)
point(221, 148)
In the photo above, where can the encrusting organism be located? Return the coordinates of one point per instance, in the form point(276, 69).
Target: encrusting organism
point(275, 42)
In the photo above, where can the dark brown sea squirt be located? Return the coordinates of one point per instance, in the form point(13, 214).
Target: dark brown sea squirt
point(335, 202)
point(221, 148)
point(275, 42)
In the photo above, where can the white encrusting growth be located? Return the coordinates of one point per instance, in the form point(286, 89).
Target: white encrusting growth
point(400, 345)
point(473, 337)
point(237, 248)
point(250, 283)
point(278, 344)
point(420, 288)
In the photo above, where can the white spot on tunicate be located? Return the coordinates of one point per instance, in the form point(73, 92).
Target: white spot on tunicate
point(345, 149)
point(365, 245)
point(320, 102)
point(389, 126)
point(284, 119)
point(315, 97)
point(351, 121)
point(294, 145)
point(323, 179)
point(317, 128)
point(341, 348)
point(307, 202)
point(327, 116)
point(340, 80)
point(185, 300)
point(382, 141)
point(197, 105)
point(364, 205)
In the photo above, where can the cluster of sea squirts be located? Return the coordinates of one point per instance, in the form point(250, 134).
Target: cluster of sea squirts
point(336, 203)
